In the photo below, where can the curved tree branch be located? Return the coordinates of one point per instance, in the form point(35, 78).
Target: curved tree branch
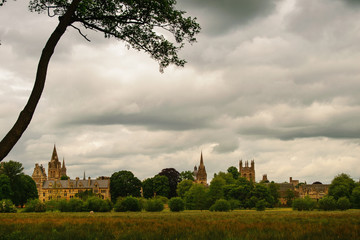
point(9, 141)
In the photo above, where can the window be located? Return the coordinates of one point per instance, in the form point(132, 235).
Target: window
point(65, 194)
point(43, 194)
point(103, 191)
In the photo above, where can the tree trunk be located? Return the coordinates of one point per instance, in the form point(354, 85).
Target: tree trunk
point(11, 138)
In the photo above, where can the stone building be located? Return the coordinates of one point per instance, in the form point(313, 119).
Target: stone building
point(200, 172)
point(246, 171)
point(52, 187)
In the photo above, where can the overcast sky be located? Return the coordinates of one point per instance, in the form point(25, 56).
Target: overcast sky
point(277, 81)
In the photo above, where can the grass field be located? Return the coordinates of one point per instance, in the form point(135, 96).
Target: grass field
point(270, 224)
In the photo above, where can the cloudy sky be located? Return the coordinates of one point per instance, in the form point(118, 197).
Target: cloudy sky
point(276, 81)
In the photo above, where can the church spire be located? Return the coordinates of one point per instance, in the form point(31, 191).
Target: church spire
point(54, 156)
point(63, 165)
point(201, 160)
point(84, 176)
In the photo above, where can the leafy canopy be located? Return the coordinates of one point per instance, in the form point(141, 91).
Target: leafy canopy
point(142, 24)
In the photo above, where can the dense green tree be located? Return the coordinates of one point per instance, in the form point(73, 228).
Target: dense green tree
point(161, 186)
point(228, 177)
point(12, 169)
point(7, 206)
point(341, 186)
point(261, 192)
point(216, 190)
point(274, 192)
point(173, 178)
point(140, 24)
point(64, 177)
point(261, 205)
point(124, 183)
point(187, 175)
point(5, 187)
point(196, 197)
point(234, 171)
point(130, 204)
point(355, 197)
point(289, 196)
point(183, 187)
point(22, 186)
point(154, 205)
point(148, 188)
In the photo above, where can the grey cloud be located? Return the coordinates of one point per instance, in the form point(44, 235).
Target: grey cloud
point(218, 17)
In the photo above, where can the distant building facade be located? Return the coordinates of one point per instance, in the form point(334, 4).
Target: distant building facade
point(52, 187)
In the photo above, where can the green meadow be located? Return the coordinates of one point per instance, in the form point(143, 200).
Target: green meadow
point(240, 224)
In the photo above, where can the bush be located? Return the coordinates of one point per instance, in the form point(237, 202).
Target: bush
point(51, 205)
point(221, 205)
point(34, 205)
point(327, 203)
point(97, 205)
point(261, 205)
point(7, 206)
point(154, 205)
point(75, 205)
point(306, 204)
point(234, 204)
point(63, 205)
point(128, 204)
point(343, 203)
point(163, 199)
point(176, 204)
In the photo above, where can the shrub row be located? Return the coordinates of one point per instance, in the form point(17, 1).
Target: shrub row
point(73, 205)
point(327, 203)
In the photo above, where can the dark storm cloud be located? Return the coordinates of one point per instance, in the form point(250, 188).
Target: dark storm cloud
point(218, 17)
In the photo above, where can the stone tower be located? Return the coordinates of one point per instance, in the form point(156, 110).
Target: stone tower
point(246, 171)
point(201, 176)
point(55, 171)
point(39, 174)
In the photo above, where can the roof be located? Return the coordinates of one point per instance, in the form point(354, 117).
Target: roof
point(76, 183)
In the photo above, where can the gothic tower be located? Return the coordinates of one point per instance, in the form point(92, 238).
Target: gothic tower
point(39, 174)
point(246, 171)
point(201, 176)
point(54, 169)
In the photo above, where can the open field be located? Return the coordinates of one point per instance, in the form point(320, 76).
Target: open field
point(271, 224)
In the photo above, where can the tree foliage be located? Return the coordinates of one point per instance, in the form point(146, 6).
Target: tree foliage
point(124, 183)
point(196, 197)
point(187, 175)
point(183, 187)
point(173, 177)
point(22, 187)
point(153, 26)
point(341, 186)
point(234, 171)
point(176, 204)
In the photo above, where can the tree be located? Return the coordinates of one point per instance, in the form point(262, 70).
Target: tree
point(195, 198)
point(233, 170)
point(183, 187)
point(355, 197)
point(343, 203)
point(124, 183)
point(173, 178)
point(186, 175)
point(289, 196)
point(161, 186)
point(138, 23)
point(176, 204)
point(148, 188)
point(341, 186)
point(5, 187)
point(22, 186)
point(216, 190)
point(274, 192)
point(11, 169)
point(64, 177)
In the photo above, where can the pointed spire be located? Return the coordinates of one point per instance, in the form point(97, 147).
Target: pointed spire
point(63, 165)
point(201, 159)
point(84, 176)
point(54, 154)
